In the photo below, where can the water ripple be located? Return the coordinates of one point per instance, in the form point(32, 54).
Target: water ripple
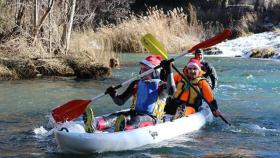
point(253, 129)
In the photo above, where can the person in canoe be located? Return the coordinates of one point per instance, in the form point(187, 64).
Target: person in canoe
point(186, 100)
point(148, 100)
point(210, 72)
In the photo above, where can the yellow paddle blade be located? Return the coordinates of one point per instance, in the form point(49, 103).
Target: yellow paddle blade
point(153, 45)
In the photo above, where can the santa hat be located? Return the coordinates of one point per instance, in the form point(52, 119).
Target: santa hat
point(152, 61)
point(194, 63)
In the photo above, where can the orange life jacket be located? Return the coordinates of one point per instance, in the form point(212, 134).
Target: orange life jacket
point(188, 96)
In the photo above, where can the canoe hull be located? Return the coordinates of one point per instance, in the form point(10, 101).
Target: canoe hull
point(81, 142)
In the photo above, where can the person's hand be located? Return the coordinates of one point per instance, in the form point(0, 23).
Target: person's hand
point(214, 108)
point(111, 91)
point(166, 66)
point(166, 69)
point(216, 113)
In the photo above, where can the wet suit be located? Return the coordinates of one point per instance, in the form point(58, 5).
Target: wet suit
point(210, 73)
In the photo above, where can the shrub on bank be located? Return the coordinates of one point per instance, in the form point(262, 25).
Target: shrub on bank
point(6, 73)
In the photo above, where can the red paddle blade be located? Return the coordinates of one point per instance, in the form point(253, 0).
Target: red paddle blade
point(212, 41)
point(70, 110)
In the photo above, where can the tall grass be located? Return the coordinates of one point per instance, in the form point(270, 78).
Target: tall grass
point(91, 45)
point(175, 29)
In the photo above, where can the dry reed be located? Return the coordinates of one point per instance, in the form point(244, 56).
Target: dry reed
point(175, 29)
point(178, 30)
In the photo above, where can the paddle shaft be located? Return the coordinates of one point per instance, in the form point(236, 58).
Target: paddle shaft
point(127, 82)
point(199, 94)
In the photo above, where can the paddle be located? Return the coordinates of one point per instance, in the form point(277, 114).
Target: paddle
point(75, 108)
point(157, 48)
point(153, 45)
point(199, 94)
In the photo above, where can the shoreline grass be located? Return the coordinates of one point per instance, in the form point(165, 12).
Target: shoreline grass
point(178, 29)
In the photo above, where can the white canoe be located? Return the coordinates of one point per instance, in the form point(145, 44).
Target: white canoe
point(77, 141)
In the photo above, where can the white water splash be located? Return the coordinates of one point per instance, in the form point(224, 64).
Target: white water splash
point(250, 77)
point(40, 131)
point(75, 127)
point(242, 46)
point(252, 128)
point(258, 128)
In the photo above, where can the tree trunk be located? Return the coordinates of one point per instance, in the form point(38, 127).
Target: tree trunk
point(69, 28)
point(38, 27)
point(35, 17)
point(64, 31)
point(50, 29)
point(69, 25)
point(17, 10)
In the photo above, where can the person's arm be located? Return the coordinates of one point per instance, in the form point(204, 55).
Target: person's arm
point(207, 93)
point(213, 76)
point(211, 72)
point(167, 75)
point(171, 85)
point(120, 99)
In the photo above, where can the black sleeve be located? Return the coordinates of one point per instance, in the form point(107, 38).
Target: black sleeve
point(214, 105)
point(122, 98)
point(211, 72)
point(213, 76)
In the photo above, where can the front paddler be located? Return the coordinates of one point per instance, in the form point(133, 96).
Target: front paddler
point(185, 97)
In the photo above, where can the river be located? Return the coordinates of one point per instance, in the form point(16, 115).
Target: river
point(248, 94)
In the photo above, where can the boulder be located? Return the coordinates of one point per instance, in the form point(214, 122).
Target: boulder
point(212, 51)
point(86, 69)
point(262, 52)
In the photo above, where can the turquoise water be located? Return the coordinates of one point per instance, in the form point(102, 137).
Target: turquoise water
point(248, 94)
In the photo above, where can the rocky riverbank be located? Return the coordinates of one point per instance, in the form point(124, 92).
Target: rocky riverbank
point(16, 68)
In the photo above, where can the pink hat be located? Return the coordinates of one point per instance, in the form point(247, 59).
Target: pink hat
point(152, 61)
point(194, 62)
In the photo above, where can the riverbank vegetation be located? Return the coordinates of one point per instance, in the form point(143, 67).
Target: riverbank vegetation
point(77, 38)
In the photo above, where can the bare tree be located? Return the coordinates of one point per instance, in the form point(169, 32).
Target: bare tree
point(20, 9)
point(66, 38)
point(39, 25)
point(36, 10)
point(50, 28)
